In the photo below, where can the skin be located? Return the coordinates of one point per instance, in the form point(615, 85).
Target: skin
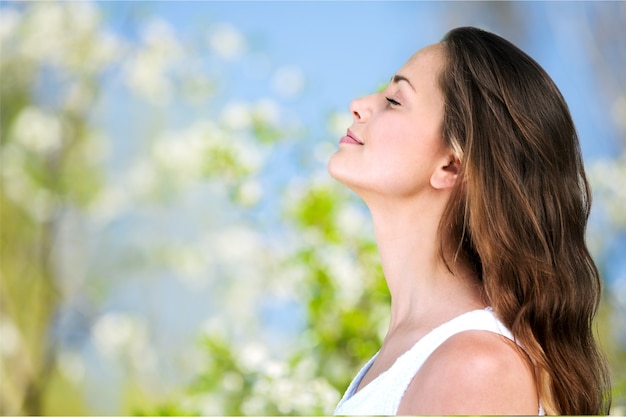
point(405, 174)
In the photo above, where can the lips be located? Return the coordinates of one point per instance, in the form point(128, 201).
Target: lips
point(350, 138)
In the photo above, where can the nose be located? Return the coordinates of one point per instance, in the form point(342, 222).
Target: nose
point(360, 109)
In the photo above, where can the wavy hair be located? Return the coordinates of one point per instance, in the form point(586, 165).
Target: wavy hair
point(519, 212)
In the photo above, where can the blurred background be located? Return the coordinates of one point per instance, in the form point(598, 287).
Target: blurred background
point(171, 242)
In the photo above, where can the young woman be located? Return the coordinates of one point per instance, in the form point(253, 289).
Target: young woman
point(470, 166)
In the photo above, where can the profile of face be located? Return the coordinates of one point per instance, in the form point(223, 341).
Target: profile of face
point(394, 147)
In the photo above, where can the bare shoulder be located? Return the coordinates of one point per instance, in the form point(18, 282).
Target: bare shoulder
point(473, 372)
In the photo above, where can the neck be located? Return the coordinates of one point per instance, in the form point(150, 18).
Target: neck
point(423, 290)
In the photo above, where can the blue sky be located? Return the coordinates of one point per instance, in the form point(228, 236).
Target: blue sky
point(347, 49)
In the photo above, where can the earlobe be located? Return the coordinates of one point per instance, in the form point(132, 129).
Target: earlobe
point(446, 174)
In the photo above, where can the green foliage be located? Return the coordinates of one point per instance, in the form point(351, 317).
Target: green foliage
point(225, 374)
point(317, 209)
point(343, 330)
point(265, 133)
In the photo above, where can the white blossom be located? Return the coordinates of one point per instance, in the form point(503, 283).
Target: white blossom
point(215, 327)
point(142, 178)
point(10, 339)
point(254, 406)
point(338, 123)
point(108, 204)
point(37, 130)
point(118, 335)
point(42, 38)
point(275, 369)
point(237, 244)
point(249, 193)
point(82, 18)
point(210, 404)
point(9, 23)
point(181, 154)
point(78, 97)
point(608, 178)
point(191, 265)
point(288, 81)
point(226, 41)
point(145, 75)
point(72, 366)
point(67, 36)
point(253, 355)
point(20, 187)
point(267, 111)
point(232, 381)
point(236, 116)
point(293, 394)
point(618, 410)
point(148, 69)
point(344, 271)
point(352, 221)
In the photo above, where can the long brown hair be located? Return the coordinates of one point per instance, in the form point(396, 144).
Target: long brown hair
point(519, 212)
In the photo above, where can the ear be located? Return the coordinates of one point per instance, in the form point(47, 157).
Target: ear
point(446, 174)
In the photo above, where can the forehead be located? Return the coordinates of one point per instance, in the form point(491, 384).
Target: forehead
point(425, 63)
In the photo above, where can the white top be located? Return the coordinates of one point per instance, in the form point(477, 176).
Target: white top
point(382, 396)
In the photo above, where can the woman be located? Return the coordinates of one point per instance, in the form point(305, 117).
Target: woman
point(471, 168)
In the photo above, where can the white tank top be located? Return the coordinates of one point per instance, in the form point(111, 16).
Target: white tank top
point(382, 396)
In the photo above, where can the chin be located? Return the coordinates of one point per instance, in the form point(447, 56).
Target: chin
point(341, 173)
point(332, 166)
point(337, 170)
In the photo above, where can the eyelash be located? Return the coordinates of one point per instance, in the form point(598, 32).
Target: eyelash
point(392, 101)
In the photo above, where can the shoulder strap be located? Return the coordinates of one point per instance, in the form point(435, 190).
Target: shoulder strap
point(383, 395)
point(409, 364)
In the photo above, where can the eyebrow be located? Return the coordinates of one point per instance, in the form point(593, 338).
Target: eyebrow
point(397, 78)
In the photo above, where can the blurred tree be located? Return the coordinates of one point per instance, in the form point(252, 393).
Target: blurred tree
point(58, 193)
point(48, 83)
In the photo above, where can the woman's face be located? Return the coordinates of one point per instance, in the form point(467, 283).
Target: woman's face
point(395, 143)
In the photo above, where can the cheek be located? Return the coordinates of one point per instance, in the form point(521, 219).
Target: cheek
point(399, 149)
point(396, 160)
point(403, 163)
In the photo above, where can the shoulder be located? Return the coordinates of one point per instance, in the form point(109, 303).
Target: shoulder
point(473, 372)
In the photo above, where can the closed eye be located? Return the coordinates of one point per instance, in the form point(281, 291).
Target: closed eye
point(392, 101)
